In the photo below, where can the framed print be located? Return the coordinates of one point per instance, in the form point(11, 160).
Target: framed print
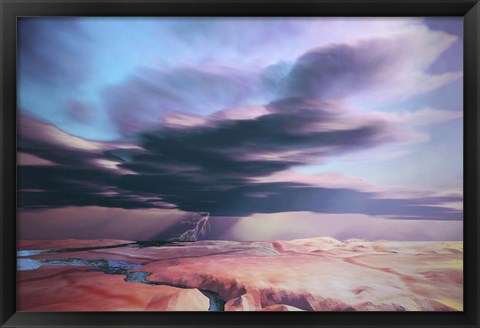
point(308, 163)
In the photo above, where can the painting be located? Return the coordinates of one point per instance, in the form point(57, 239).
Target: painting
point(240, 164)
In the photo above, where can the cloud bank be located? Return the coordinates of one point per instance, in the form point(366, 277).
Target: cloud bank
point(223, 130)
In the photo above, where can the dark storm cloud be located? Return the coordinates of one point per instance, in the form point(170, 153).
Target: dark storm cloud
point(73, 178)
point(210, 168)
point(240, 149)
point(243, 199)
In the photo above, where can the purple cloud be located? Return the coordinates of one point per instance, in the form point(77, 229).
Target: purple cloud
point(390, 67)
point(48, 53)
point(142, 101)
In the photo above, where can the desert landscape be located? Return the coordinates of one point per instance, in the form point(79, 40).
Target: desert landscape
point(240, 164)
point(316, 274)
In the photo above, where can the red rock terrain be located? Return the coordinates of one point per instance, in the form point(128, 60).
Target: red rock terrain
point(64, 288)
point(319, 274)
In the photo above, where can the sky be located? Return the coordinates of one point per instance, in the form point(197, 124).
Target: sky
point(272, 128)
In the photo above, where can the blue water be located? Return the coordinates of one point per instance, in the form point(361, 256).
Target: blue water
point(104, 265)
point(32, 252)
point(107, 267)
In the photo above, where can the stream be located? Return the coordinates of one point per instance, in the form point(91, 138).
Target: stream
point(216, 303)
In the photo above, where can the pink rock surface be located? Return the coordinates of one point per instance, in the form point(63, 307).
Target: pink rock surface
point(317, 274)
point(66, 288)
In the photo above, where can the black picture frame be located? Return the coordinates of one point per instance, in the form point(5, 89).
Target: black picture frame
point(10, 10)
